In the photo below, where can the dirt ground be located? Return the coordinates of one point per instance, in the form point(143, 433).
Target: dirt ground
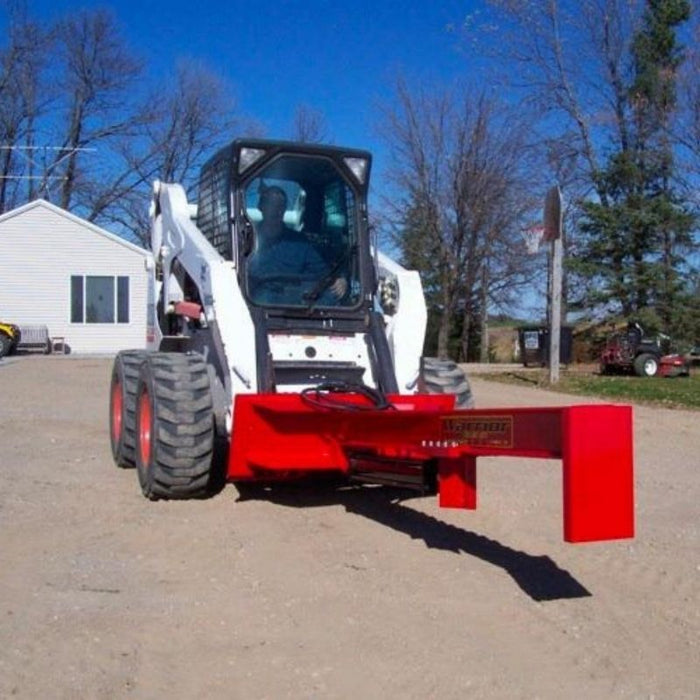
point(326, 592)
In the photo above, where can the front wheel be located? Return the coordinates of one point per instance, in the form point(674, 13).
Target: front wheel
point(174, 426)
point(446, 377)
point(646, 365)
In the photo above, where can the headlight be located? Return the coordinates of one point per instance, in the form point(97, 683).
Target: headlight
point(389, 295)
point(248, 157)
point(358, 167)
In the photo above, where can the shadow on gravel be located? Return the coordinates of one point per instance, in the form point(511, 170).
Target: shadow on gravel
point(537, 576)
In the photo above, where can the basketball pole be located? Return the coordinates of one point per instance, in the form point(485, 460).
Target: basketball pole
point(553, 231)
point(555, 306)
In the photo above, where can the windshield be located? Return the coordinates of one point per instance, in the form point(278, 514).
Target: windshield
point(305, 249)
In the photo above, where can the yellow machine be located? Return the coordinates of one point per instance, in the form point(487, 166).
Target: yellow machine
point(9, 338)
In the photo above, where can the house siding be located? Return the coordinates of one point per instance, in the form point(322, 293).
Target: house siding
point(41, 247)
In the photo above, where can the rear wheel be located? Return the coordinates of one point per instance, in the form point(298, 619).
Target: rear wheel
point(446, 377)
point(175, 427)
point(646, 365)
point(122, 406)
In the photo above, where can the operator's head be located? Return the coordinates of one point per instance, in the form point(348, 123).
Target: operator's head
point(273, 204)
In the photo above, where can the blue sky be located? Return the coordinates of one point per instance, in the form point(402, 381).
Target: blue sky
point(338, 58)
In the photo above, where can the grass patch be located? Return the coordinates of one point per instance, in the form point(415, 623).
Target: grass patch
point(679, 392)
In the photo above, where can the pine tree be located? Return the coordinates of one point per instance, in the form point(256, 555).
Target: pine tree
point(639, 230)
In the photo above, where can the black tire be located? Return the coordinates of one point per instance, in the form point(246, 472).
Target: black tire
point(446, 377)
point(174, 427)
point(646, 365)
point(5, 344)
point(122, 406)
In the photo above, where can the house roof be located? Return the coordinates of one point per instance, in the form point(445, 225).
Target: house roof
point(43, 204)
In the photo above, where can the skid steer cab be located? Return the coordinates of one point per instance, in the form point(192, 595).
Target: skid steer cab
point(282, 344)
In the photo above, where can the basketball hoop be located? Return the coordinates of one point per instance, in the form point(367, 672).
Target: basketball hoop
point(533, 237)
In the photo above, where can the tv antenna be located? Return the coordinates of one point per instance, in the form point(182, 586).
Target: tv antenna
point(35, 159)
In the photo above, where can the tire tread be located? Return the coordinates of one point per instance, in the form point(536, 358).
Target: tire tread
point(128, 364)
point(183, 432)
point(447, 377)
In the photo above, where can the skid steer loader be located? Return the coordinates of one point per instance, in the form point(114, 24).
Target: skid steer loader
point(281, 343)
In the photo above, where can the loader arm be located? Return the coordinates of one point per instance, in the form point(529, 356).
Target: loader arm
point(405, 316)
point(223, 331)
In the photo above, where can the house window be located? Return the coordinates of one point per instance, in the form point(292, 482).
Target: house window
point(101, 299)
point(122, 300)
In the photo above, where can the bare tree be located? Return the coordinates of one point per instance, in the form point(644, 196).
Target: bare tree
point(21, 67)
point(184, 121)
point(197, 112)
point(104, 137)
point(686, 129)
point(98, 77)
point(309, 125)
point(457, 169)
point(569, 62)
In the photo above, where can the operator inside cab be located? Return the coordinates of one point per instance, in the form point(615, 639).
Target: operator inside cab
point(305, 237)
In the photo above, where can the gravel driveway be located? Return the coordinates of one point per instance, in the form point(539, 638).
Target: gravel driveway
point(325, 592)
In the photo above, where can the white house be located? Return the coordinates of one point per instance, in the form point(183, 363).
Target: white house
point(86, 284)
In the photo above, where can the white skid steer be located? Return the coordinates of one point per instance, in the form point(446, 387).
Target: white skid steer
point(281, 343)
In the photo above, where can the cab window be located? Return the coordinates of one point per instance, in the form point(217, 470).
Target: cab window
point(304, 252)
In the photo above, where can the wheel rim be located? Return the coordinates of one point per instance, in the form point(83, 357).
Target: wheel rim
point(650, 367)
point(117, 408)
point(145, 438)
